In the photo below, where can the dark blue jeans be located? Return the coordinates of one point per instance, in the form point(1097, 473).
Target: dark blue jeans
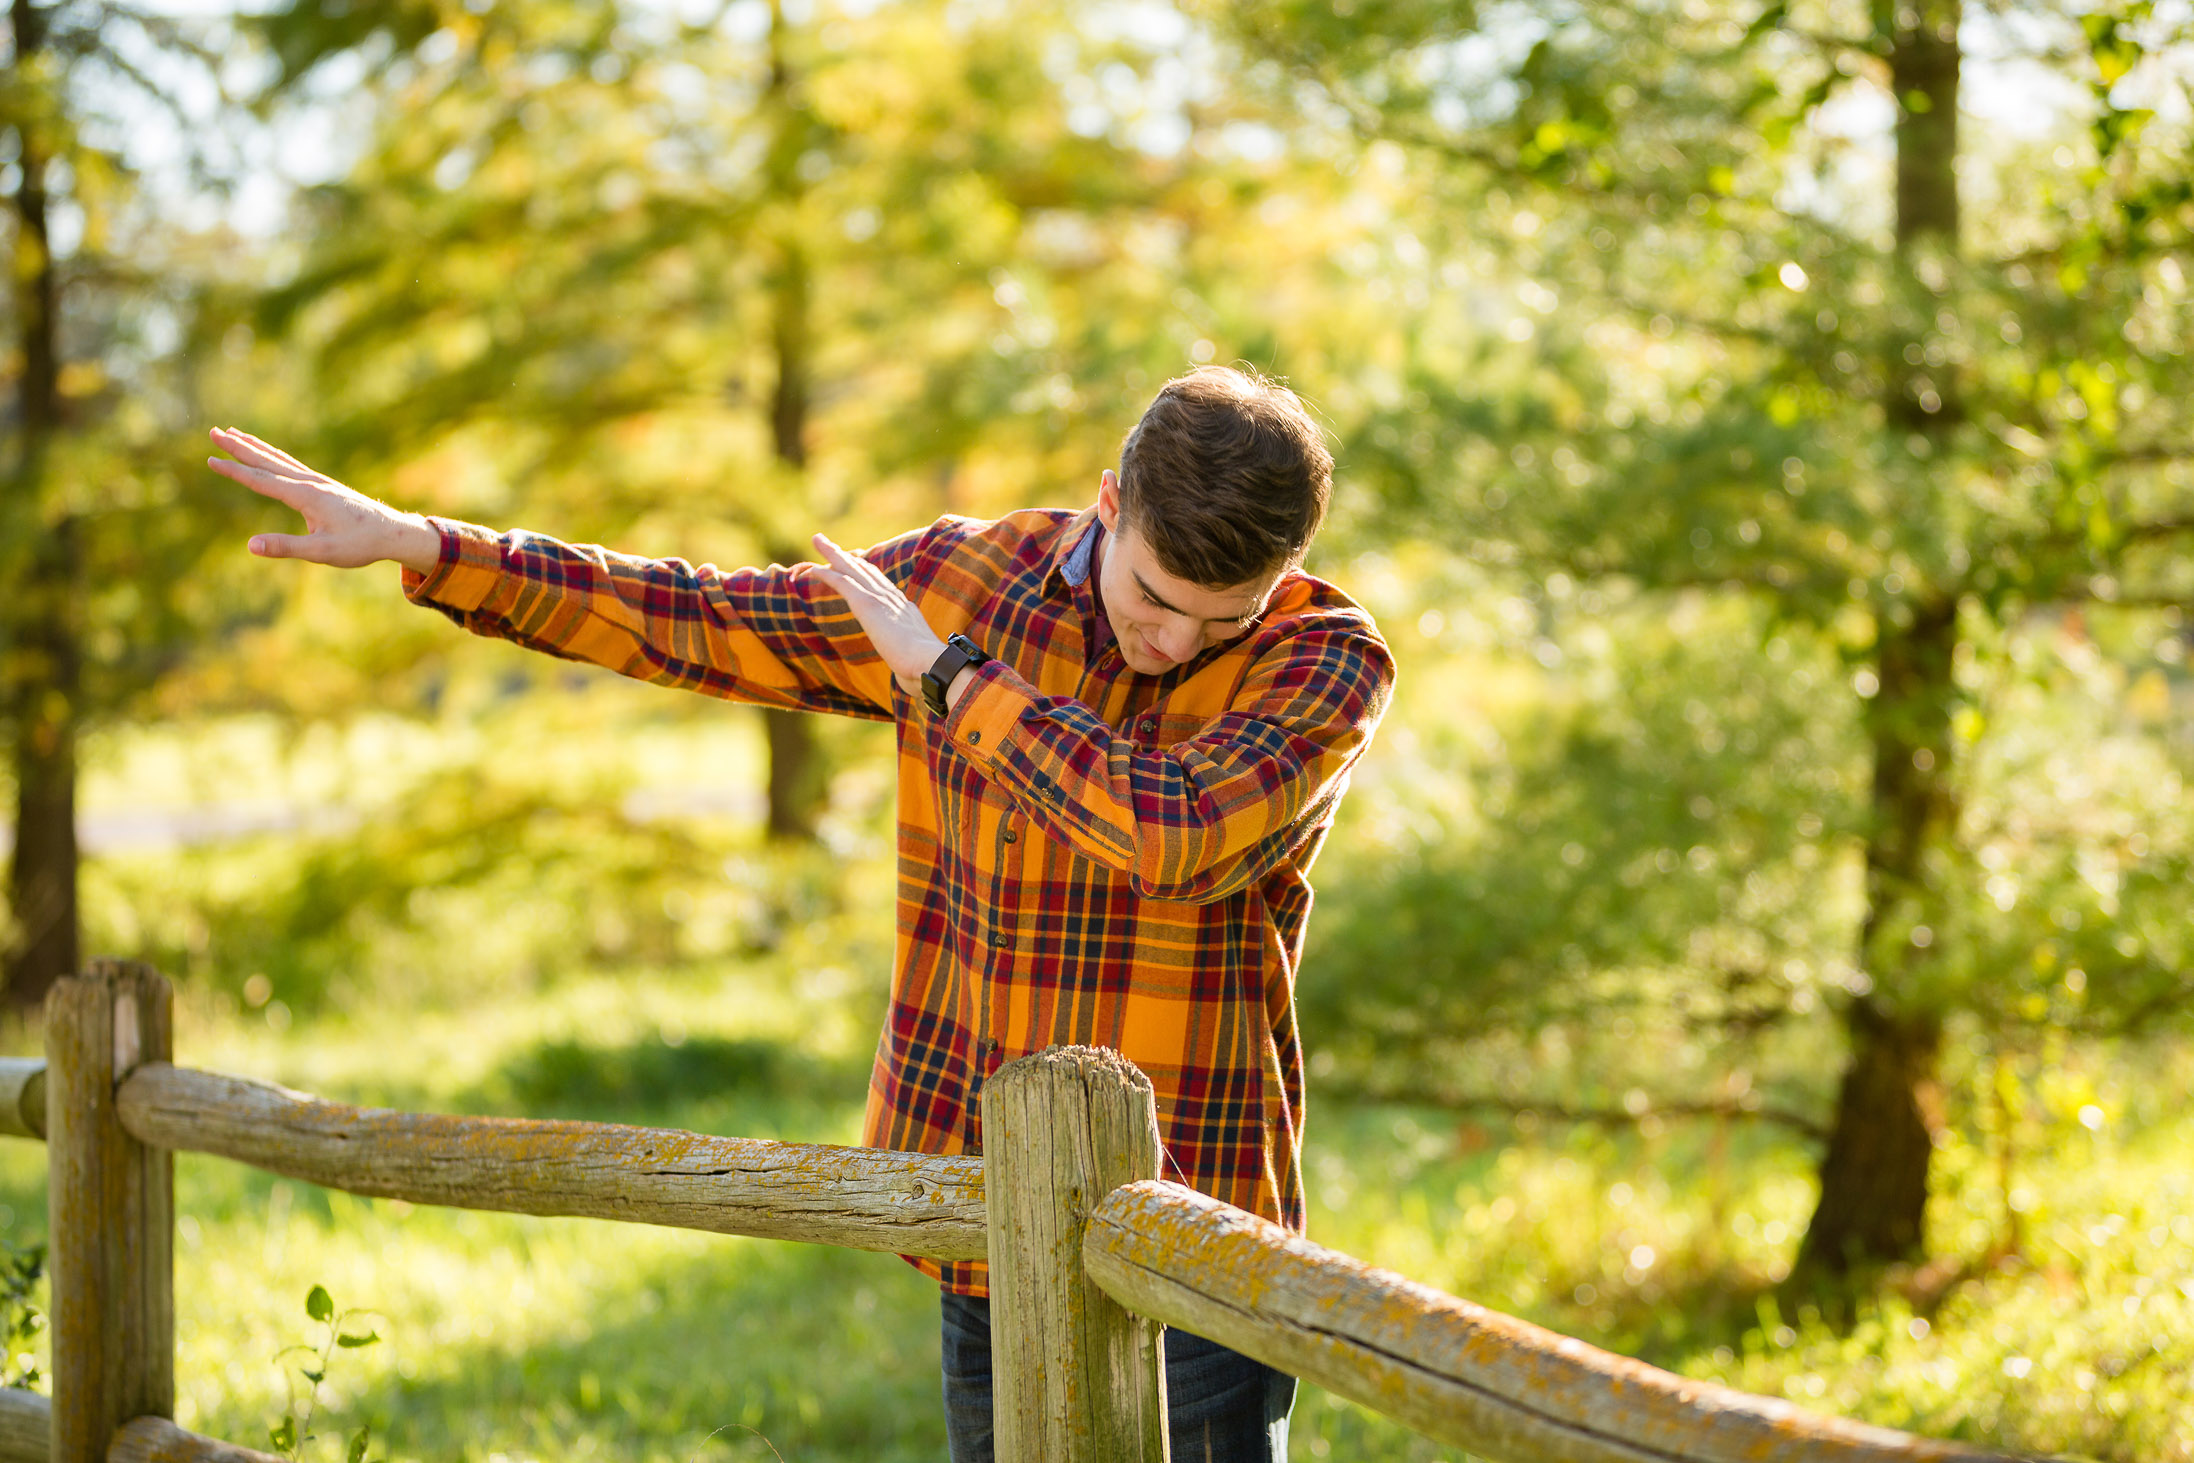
point(1221, 1407)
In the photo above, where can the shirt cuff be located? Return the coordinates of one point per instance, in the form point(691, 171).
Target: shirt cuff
point(987, 711)
point(466, 573)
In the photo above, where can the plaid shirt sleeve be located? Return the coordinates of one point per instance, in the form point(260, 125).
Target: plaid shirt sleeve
point(1206, 816)
point(776, 636)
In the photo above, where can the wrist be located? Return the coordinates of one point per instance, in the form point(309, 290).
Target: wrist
point(947, 678)
point(414, 543)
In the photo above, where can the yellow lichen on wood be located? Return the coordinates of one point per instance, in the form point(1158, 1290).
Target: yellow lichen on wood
point(26, 1426)
point(1077, 1378)
point(1453, 1370)
point(23, 1096)
point(110, 1202)
point(864, 1198)
point(157, 1440)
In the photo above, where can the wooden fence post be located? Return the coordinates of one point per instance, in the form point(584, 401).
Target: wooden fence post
point(1076, 1377)
point(111, 1211)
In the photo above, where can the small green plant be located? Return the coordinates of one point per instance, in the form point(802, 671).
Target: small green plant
point(290, 1435)
point(20, 1318)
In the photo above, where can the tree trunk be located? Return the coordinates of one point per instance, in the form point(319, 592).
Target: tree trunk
point(41, 693)
point(1874, 1174)
point(42, 872)
point(799, 773)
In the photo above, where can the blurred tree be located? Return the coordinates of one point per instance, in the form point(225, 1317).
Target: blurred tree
point(651, 279)
point(1774, 354)
point(796, 777)
point(108, 310)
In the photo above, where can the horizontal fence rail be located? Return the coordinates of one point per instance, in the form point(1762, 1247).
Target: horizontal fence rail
point(26, 1426)
point(1083, 1251)
point(861, 1198)
point(1453, 1370)
point(23, 1096)
point(156, 1440)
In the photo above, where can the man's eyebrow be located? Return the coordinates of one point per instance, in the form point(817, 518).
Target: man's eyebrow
point(1152, 595)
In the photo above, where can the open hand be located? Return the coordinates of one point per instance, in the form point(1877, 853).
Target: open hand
point(895, 627)
point(343, 527)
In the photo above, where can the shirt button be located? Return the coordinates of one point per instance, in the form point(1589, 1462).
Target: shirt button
point(997, 939)
point(974, 737)
point(1012, 837)
point(1149, 726)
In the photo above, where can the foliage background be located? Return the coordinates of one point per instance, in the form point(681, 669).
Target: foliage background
point(1626, 322)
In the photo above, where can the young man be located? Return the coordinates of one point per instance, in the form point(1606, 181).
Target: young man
point(1122, 734)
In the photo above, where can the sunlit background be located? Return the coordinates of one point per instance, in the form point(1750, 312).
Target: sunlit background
point(1758, 941)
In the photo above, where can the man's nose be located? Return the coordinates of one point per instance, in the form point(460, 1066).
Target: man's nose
point(1178, 642)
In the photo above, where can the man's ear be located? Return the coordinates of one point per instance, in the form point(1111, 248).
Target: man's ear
point(1108, 501)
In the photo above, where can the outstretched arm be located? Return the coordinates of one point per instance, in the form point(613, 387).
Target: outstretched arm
point(343, 526)
point(777, 636)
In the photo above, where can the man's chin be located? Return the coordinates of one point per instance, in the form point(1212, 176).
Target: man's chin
point(1147, 665)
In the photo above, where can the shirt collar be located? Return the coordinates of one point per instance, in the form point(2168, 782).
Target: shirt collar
point(1073, 571)
point(1076, 554)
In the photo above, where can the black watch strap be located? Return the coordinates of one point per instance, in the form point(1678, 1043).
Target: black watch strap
point(959, 653)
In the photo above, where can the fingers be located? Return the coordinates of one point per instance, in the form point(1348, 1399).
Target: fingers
point(258, 453)
point(838, 569)
point(861, 598)
point(283, 489)
point(844, 569)
point(280, 546)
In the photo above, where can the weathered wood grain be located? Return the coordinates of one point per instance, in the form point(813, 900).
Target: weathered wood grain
point(156, 1440)
point(23, 1096)
point(1455, 1371)
point(26, 1426)
point(863, 1198)
point(1076, 1377)
point(110, 1212)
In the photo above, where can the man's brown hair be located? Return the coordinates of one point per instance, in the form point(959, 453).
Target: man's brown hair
point(1226, 477)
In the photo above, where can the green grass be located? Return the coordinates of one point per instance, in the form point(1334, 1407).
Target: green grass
point(491, 941)
point(568, 1339)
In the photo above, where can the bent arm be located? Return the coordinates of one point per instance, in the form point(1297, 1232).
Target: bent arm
point(1205, 817)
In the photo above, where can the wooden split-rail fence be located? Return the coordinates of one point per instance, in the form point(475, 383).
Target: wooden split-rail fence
point(1091, 1256)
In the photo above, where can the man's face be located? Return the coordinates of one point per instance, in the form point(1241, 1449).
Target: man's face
point(1160, 620)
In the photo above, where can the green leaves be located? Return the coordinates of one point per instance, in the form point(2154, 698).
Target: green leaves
point(20, 1318)
point(2115, 48)
point(295, 1429)
point(2110, 41)
point(1770, 17)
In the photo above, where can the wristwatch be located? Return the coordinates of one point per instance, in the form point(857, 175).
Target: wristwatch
point(960, 653)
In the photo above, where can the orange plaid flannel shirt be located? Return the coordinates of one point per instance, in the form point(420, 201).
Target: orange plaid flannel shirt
point(1086, 854)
